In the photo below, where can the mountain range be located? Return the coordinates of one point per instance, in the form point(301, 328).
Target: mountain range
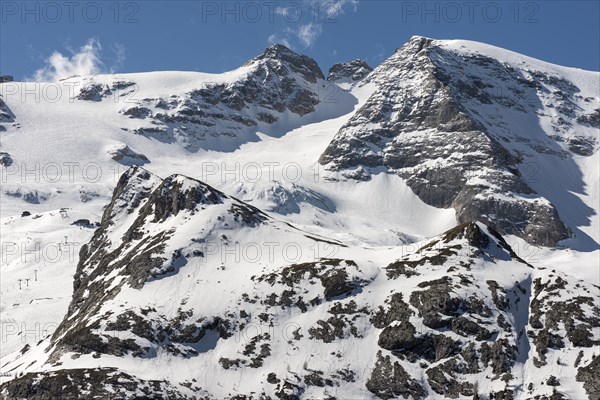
point(427, 228)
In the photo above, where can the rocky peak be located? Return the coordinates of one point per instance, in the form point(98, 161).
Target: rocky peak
point(268, 86)
point(415, 45)
point(277, 51)
point(178, 192)
point(482, 238)
point(281, 59)
point(471, 231)
point(449, 134)
point(352, 71)
point(134, 187)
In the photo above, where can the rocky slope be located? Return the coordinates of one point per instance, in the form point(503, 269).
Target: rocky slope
point(462, 129)
point(277, 85)
point(351, 71)
point(460, 315)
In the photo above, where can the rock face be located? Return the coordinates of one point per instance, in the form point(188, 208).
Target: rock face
point(123, 154)
point(441, 119)
point(459, 315)
point(276, 85)
point(589, 376)
point(89, 383)
point(6, 115)
point(94, 91)
point(5, 159)
point(352, 71)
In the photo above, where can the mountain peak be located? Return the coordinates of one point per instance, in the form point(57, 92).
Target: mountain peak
point(425, 103)
point(278, 54)
point(480, 237)
point(415, 44)
point(277, 51)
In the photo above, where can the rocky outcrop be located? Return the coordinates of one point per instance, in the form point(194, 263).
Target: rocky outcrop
point(272, 86)
point(123, 154)
point(72, 384)
point(589, 376)
point(5, 159)
point(6, 115)
point(390, 381)
point(352, 71)
point(463, 326)
point(29, 196)
point(91, 90)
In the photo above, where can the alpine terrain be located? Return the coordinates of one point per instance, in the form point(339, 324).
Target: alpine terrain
point(425, 229)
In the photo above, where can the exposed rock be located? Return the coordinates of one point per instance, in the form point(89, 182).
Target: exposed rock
point(589, 376)
point(389, 381)
point(442, 380)
point(29, 196)
point(332, 273)
point(397, 310)
point(351, 71)
point(94, 91)
point(126, 156)
point(5, 159)
point(83, 222)
point(582, 146)
point(277, 81)
point(71, 384)
point(436, 304)
point(402, 340)
point(137, 112)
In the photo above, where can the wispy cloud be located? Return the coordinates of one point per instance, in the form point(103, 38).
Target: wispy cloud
point(290, 12)
point(308, 34)
point(119, 51)
point(315, 15)
point(85, 61)
point(274, 38)
point(333, 9)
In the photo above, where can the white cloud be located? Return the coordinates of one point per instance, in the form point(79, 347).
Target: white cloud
point(273, 39)
point(334, 9)
point(308, 34)
point(85, 61)
point(119, 51)
point(283, 11)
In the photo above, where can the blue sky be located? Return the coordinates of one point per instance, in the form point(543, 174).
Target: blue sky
point(47, 39)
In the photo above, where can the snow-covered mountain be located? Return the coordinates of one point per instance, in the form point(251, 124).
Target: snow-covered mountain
point(426, 229)
point(471, 131)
